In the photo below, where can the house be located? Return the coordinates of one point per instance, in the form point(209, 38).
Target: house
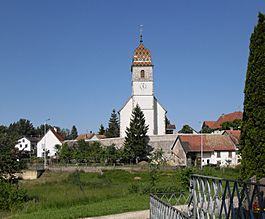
point(48, 142)
point(217, 150)
point(235, 137)
point(170, 129)
point(230, 117)
point(27, 144)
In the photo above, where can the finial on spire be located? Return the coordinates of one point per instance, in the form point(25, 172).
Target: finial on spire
point(141, 33)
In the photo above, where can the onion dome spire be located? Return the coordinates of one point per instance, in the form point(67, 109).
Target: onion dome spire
point(142, 55)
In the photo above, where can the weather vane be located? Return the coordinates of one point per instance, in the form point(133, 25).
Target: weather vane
point(141, 33)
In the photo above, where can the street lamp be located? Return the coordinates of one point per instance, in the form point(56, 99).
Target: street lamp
point(201, 145)
point(44, 148)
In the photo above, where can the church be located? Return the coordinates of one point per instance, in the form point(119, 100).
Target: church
point(143, 94)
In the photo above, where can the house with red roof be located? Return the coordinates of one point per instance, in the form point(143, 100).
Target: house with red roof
point(216, 149)
point(48, 141)
point(230, 117)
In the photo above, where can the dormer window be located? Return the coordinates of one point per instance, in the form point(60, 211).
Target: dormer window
point(142, 73)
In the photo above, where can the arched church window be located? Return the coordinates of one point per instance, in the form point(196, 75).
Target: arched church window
point(142, 73)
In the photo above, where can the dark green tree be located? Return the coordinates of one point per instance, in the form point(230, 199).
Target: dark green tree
point(136, 141)
point(206, 129)
point(235, 125)
point(66, 153)
point(101, 130)
point(253, 126)
point(39, 131)
point(23, 127)
point(73, 134)
point(65, 132)
point(186, 129)
point(11, 196)
point(114, 127)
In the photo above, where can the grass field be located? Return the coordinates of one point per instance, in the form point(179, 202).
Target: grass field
point(73, 195)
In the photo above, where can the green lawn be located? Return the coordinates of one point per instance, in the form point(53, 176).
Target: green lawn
point(73, 195)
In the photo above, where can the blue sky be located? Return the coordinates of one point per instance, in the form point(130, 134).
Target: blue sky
point(70, 60)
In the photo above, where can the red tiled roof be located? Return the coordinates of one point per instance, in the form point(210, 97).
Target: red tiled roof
point(142, 56)
point(57, 134)
point(88, 136)
point(224, 118)
point(234, 135)
point(100, 136)
point(84, 136)
point(210, 142)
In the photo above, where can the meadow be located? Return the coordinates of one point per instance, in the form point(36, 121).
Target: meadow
point(79, 194)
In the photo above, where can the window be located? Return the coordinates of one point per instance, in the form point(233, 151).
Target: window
point(26, 145)
point(218, 154)
point(20, 145)
point(142, 73)
point(230, 154)
point(23, 140)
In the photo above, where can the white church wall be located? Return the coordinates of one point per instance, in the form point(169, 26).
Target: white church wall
point(125, 116)
point(161, 119)
point(145, 102)
point(143, 88)
point(149, 118)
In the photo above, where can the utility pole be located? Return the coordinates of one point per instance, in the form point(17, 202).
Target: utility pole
point(201, 145)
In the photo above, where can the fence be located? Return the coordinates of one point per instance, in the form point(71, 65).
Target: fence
point(211, 197)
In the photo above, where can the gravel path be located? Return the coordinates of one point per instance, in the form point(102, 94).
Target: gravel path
point(129, 215)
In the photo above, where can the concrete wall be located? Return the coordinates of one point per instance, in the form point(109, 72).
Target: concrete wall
point(164, 142)
point(29, 174)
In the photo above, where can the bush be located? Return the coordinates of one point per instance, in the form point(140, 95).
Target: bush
point(11, 197)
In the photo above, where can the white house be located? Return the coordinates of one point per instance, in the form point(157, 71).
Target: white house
point(143, 95)
point(27, 144)
point(48, 142)
point(217, 149)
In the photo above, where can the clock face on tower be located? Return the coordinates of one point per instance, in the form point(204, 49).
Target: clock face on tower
point(143, 86)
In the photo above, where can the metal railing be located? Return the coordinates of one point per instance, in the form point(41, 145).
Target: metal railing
point(221, 198)
point(211, 197)
point(169, 206)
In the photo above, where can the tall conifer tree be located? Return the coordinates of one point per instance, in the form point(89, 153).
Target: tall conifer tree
point(114, 127)
point(253, 127)
point(136, 141)
point(73, 133)
point(101, 130)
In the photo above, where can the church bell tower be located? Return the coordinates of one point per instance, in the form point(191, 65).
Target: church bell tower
point(143, 94)
point(143, 84)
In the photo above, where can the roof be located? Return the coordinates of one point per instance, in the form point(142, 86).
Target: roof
point(88, 136)
point(224, 118)
point(84, 136)
point(57, 135)
point(171, 126)
point(142, 56)
point(234, 135)
point(209, 143)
